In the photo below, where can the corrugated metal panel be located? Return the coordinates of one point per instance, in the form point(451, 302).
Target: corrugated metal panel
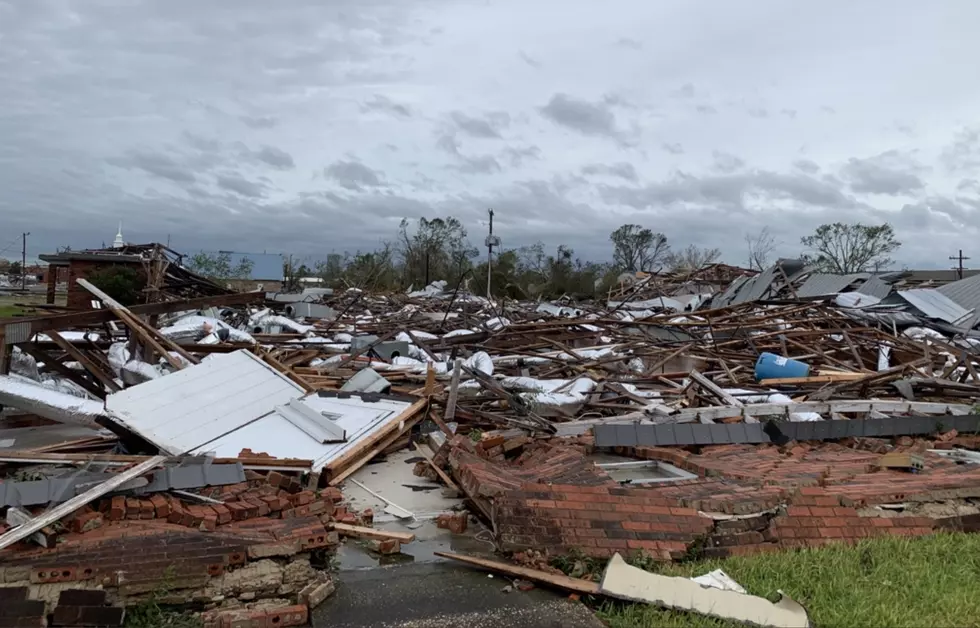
point(934, 304)
point(278, 437)
point(821, 284)
point(875, 286)
point(756, 287)
point(725, 297)
point(191, 408)
point(16, 332)
point(965, 292)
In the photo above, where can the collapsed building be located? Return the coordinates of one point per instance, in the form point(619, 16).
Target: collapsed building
point(218, 435)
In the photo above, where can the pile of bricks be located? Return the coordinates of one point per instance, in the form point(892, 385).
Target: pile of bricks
point(17, 610)
point(747, 499)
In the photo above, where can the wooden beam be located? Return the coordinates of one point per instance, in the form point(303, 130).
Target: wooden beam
point(714, 388)
point(97, 317)
point(248, 462)
point(84, 360)
point(146, 333)
point(359, 532)
point(63, 510)
point(442, 474)
point(359, 454)
point(578, 585)
point(61, 369)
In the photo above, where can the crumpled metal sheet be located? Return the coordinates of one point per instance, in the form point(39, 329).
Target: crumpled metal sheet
point(48, 403)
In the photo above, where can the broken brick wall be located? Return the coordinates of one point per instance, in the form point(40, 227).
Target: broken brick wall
point(756, 499)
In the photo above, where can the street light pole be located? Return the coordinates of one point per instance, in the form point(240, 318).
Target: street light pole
point(23, 262)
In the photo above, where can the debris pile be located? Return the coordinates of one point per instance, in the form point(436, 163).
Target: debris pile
point(713, 413)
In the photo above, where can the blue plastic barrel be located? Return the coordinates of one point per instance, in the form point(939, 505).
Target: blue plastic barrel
point(772, 366)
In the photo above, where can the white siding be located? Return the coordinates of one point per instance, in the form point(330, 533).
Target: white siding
point(192, 407)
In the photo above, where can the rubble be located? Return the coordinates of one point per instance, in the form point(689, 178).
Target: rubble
point(711, 413)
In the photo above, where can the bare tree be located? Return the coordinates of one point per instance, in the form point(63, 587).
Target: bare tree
point(761, 247)
point(692, 258)
point(843, 248)
point(636, 248)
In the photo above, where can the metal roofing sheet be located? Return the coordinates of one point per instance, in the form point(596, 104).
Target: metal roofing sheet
point(875, 286)
point(820, 284)
point(192, 407)
point(278, 437)
point(934, 304)
point(965, 292)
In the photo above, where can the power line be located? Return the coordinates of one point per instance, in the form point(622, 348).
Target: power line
point(959, 267)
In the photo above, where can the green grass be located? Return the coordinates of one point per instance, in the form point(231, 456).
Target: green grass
point(8, 311)
point(929, 581)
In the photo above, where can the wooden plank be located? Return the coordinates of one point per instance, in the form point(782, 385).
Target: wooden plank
point(63, 510)
point(84, 360)
point(97, 317)
point(61, 369)
point(562, 582)
point(450, 414)
point(361, 451)
point(339, 475)
point(813, 379)
point(359, 532)
point(442, 474)
point(146, 333)
point(45, 537)
point(714, 388)
point(40, 457)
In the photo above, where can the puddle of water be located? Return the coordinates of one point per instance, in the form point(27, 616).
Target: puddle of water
point(354, 555)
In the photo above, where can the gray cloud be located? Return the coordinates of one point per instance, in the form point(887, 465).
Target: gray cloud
point(353, 175)
point(673, 148)
point(758, 112)
point(726, 162)
point(622, 170)
point(528, 59)
point(383, 104)
point(685, 91)
point(518, 156)
point(806, 165)
point(235, 183)
point(706, 110)
point(789, 113)
point(632, 44)
point(487, 126)
point(732, 191)
point(480, 164)
point(157, 164)
point(963, 154)
point(260, 122)
point(580, 115)
point(890, 173)
point(272, 156)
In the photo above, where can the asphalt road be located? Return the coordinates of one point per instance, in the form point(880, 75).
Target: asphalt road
point(443, 595)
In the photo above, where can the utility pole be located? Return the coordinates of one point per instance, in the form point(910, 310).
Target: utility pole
point(959, 267)
point(491, 242)
point(23, 262)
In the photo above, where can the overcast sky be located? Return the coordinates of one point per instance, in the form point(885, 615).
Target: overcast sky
point(311, 126)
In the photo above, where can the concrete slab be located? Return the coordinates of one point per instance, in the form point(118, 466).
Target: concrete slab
point(442, 595)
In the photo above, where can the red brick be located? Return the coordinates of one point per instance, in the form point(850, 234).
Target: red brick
point(333, 493)
point(821, 511)
point(222, 513)
point(798, 511)
point(161, 506)
point(302, 498)
point(147, 510)
point(117, 508)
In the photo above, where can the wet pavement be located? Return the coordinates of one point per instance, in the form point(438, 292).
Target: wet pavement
point(444, 595)
point(416, 589)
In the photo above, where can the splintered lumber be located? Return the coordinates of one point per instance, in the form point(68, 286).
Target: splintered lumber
point(359, 532)
point(442, 474)
point(367, 448)
point(813, 379)
point(63, 510)
point(562, 582)
point(247, 462)
point(714, 388)
point(145, 333)
point(85, 361)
